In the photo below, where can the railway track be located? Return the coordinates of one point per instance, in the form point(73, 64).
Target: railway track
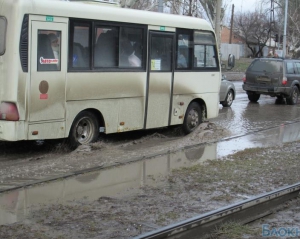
point(243, 212)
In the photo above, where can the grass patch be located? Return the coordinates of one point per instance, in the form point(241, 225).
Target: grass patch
point(169, 216)
point(234, 230)
point(224, 197)
point(241, 64)
point(240, 173)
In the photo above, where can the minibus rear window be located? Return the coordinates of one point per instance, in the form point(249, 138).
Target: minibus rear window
point(2, 34)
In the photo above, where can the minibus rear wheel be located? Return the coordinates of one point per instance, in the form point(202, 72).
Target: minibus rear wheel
point(84, 130)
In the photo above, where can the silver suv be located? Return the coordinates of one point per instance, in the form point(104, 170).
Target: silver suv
point(275, 77)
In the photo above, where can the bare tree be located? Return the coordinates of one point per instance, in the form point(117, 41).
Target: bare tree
point(293, 30)
point(209, 7)
point(185, 7)
point(180, 7)
point(195, 8)
point(140, 4)
point(255, 29)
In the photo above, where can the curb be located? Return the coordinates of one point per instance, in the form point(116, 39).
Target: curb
point(234, 76)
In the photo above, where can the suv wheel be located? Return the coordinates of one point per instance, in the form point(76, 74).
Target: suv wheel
point(279, 100)
point(293, 98)
point(253, 97)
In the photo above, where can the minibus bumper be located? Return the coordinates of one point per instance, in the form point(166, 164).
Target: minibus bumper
point(12, 130)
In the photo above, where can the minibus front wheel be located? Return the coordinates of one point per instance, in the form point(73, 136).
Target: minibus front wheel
point(192, 118)
point(84, 130)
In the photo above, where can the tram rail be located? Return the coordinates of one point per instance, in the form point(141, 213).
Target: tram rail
point(242, 212)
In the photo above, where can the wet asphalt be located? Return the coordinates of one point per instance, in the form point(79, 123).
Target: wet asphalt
point(244, 117)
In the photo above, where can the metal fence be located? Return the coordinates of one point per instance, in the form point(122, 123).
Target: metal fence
point(238, 50)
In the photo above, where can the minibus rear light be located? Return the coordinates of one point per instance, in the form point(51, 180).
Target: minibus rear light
point(9, 111)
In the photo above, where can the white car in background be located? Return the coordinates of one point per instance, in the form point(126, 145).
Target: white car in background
point(227, 92)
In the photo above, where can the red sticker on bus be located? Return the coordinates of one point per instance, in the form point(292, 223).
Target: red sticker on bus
point(43, 96)
point(48, 61)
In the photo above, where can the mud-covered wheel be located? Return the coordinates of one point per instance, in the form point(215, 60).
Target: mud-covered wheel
point(192, 118)
point(253, 97)
point(228, 100)
point(84, 130)
point(293, 98)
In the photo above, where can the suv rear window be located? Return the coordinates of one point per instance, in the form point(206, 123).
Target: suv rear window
point(2, 34)
point(266, 66)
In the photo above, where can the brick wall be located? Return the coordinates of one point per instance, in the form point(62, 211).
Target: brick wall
point(225, 35)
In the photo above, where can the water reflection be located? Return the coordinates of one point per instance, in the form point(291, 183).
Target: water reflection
point(113, 182)
point(276, 136)
point(289, 133)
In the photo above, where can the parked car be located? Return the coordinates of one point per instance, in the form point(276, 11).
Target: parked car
point(275, 77)
point(227, 92)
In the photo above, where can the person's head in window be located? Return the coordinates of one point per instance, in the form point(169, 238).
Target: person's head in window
point(270, 54)
point(54, 44)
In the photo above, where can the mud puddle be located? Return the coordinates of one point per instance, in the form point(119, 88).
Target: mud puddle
point(118, 181)
point(275, 136)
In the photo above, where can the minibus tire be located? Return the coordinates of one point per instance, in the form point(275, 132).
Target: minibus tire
point(84, 130)
point(192, 118)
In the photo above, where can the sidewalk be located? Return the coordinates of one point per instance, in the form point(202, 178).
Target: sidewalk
point(233, 76)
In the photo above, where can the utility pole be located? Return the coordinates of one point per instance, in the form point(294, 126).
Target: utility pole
point(272, 23)
point(218, 22)
point(160, 6)
point(231, 24)
point(284, 33)
point(190, 8)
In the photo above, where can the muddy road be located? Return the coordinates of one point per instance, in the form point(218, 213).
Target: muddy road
point(148, 179)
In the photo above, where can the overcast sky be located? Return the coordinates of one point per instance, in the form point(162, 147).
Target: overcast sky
point(244, 5)
point(240, 6)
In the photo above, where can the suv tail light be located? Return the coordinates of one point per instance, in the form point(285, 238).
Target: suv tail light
point(284, 80)
point(9, 111)
point(244, 78)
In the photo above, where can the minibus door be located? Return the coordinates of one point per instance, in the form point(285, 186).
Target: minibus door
point(48, 72)
point(160, 79)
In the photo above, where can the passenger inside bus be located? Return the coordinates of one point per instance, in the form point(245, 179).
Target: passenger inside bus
point(54, 45)
point(182, 57)
point(80, 58)
point(106, 49)
point(127, 55)
point(45, 52)
point(136, 41)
